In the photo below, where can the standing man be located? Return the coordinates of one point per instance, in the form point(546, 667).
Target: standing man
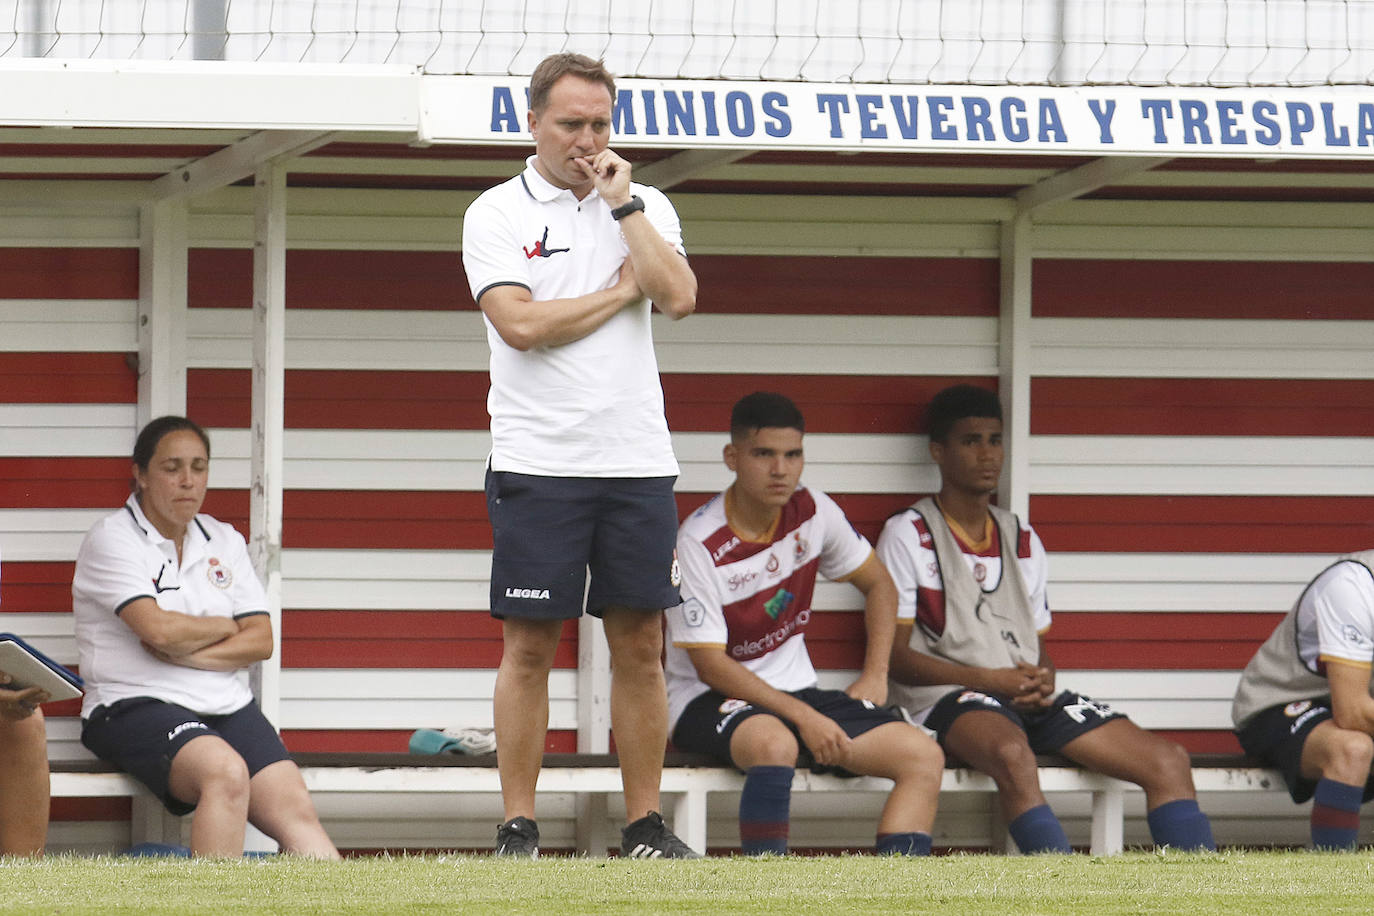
point(969, 657)
point(741, 685)
point(564, 261)
point(1304, 704)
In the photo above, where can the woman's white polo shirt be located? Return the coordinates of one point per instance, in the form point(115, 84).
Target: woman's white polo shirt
point(123, 558)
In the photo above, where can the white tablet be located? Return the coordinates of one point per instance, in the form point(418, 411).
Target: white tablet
point(27, 667)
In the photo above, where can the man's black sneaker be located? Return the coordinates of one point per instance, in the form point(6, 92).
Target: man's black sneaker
point(519, 838)
point(650, 838)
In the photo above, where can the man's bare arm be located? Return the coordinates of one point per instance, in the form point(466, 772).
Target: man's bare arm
point(663, 274)
point(525, 324)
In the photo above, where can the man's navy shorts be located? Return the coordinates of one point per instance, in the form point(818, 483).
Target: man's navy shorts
point(549, 532)
point(1277, 735)
point(709, 722)
point(141, 735)
point(1047, 730)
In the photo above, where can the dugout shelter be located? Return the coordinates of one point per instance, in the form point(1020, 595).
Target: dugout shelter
point(1151, 230)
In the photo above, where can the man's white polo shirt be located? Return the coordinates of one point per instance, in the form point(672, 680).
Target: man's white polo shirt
point(124, 558)
point(593, 407)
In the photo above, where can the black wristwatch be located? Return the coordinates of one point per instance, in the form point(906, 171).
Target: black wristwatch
point(634, 205)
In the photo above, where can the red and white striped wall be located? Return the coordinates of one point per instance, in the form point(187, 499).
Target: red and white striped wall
point(1200, 435)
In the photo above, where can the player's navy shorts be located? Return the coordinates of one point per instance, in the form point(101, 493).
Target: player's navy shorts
point(141, 735)
point(709, 721)
point(1047, 730)
point(1276, 736)
point(550, 531)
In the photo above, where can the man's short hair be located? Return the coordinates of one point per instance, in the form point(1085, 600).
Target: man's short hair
point(556, 66)
point(762, 410)
point(954, 404)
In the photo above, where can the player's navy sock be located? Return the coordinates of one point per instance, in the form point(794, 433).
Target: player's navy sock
point(1181, 825)
point(1038, 830)
point(903, 844)
point(1336, 815)
point(765, 810)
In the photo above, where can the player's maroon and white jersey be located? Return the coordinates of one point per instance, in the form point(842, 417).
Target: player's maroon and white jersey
point(908, 551)
point(754, 598)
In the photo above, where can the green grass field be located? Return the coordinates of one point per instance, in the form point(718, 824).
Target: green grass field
point(1252, 883)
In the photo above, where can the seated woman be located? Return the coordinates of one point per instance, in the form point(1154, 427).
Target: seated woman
point(169, 615)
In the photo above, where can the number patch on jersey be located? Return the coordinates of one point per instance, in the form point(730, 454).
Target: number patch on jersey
point(693, 612)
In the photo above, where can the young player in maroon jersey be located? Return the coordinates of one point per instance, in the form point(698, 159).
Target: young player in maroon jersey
point(741, 685)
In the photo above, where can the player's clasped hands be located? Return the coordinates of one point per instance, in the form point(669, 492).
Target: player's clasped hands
point(1029, 686)
point(1036, 688)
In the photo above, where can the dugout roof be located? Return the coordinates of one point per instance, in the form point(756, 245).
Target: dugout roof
point(136, 132)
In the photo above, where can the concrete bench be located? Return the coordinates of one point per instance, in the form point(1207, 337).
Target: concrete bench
point(689, 780)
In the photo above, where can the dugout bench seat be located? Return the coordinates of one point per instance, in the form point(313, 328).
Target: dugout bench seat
point(149, 821)
point(688, 781)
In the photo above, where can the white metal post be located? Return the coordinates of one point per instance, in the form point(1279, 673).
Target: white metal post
point(1014, 358)
point(209, 28)
point(162, 317)
point(593, 726)
point(268, 414)
point(268, 418)
point(1014, 328)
